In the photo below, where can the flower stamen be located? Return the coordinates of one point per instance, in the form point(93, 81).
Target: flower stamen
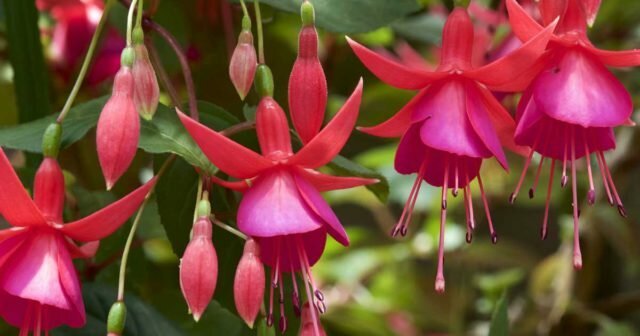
point(543, 232)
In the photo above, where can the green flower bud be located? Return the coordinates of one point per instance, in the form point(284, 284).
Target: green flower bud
point(51, 140)
point(264, 81)
point(307, 13)
point(117, 318)
point(128, 57)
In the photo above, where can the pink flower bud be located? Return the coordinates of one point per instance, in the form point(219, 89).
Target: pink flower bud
point(309, 323)
point(199, 268)
point(48, 189)
point(118, 129)
point(248, 287)
point(243, 64)
point(146, 90)
point(307, 87)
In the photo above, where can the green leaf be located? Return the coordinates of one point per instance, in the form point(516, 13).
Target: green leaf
point(28, 136)
point(30, 73)
point(142, 319)
point(176, 195)
point(353, 16)
point(345, 167)
point(425, 28)
point(500, 319)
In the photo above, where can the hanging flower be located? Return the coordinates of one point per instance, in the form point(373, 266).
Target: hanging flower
point(282, 209)
point(248, 285)
point(570, 109)
point(454, 123)
point(39, 287)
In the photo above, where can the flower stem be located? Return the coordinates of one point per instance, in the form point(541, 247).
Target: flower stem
point(134, 227)
point(256, 5)
point(87, 61)
point(132, 9)
point(140, 13)
point(229, 229)
point(184, 63)
point(237, 128)
point(244, 8)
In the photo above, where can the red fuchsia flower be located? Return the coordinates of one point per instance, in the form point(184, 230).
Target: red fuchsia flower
point(118, 129)
point(39, 287)
point(569, 110)
point(244, 61)
point(146, 91)
point(75, 22)
point(454, 123)
point(307, 83)
point(199, 264)
point(282, 209)
point(248, 286)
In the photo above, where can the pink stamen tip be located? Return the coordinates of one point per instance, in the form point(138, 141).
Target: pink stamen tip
point(512, 198)
point(282, 324)
point(564, 180)
point(321, 306)
point(440, 284)
point(543, 233)
point(494, 238)
point(454, 193)
point(591, 197)
point(270, 319)
point(622, 211)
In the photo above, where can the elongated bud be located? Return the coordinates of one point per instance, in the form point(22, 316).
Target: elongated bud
point(48, 189)
point(199, 268)
point(307, 83)
point(117, 318)
point(244, 61)
point(118, 129)
point(248, 287)
point(273, 129)
point(146, 93)
point(51, 140)
point(310, 324)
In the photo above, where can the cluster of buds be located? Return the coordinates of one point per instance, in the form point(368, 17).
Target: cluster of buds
point(135, 92)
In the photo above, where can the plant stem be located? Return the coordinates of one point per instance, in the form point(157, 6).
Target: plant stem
point(134, 227)
point(87, 61)
point(229, 229)
point(244, 8)
point(132, 9)
point(140, 13)
point(237, 128)
point(256, 5)
point(186, 71)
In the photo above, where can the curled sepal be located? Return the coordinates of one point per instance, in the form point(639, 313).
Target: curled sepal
point(199, 268)
point(117, 318)
point(244, 61)
point(146, 90)
point(249, 283)
point(307, 87)
point(118, 129)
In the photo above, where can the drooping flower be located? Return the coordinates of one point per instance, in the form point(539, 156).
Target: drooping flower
point(248, 285)
point(282, 209)
point(118, 129)
point(244, 61)
point(199, 264)
point(454, 123)
point(39, 287)
point(75, 23)
point(307, 83)
point(570, 109)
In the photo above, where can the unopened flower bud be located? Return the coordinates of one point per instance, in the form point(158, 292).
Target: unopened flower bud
point(118, 129)
point(310, 323)
point(117, 318)
point(248, 287)
point(307, 84)
point(199, 268)
point(146, 90)
point(244, 61)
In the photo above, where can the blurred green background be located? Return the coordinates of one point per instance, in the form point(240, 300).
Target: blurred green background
point(380, 285)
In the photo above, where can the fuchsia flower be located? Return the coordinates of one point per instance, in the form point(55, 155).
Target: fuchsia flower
point(39, 287)
point(282, 209)
point(118, 129)
point(244, 61)
point(569, 110)
point(76, 20)
point(454, 123)
point(199, 267)
point(146, 91)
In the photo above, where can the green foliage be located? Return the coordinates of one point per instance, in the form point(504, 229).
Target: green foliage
point(500, 318)
point(30, 74)
point(345, 167)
